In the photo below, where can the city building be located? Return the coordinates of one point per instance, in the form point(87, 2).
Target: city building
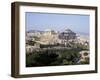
point(30, 48)
point(67, 36)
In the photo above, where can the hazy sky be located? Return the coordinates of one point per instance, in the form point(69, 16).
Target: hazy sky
point(58, 22)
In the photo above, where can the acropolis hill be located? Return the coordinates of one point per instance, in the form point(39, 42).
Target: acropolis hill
point(53, 37)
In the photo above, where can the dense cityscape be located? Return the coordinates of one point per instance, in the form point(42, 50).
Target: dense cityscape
point(50, 48)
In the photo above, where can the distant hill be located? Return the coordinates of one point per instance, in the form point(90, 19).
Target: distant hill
point(30, 31)
point(82, 33)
